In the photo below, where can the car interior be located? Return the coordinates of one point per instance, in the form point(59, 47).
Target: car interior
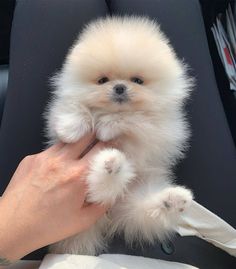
point(34, 39)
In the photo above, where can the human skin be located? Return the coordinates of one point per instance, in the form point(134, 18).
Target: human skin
point(45, 199)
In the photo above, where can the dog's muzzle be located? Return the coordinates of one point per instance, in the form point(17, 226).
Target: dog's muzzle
point(119, 94)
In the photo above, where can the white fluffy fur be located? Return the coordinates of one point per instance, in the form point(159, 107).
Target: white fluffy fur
point(110, 173)
point(149, 130)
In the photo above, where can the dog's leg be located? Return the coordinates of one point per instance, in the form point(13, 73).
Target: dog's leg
point(171, 201)
point(149, 213)
point(68, 122)
point(110, 173)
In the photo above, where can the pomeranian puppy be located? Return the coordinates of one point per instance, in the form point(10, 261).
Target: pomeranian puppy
point(123, 80)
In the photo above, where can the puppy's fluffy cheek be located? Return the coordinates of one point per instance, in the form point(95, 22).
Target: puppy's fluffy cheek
point(141, 98)
point(97, 98)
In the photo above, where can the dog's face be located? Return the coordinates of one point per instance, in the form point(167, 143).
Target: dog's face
point(124, 65)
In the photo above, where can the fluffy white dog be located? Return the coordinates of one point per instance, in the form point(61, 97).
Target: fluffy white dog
point(122, 80)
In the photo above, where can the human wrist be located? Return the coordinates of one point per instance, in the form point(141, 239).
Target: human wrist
point(12, 241)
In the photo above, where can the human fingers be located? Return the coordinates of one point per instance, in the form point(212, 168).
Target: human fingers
point(55, 148)
point(74, 150)
point(81, 166)
point(92, 152)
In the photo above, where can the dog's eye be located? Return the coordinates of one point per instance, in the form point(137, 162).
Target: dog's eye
point(137, 80)
point(103, 80)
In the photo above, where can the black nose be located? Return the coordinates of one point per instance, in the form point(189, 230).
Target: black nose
point(119, 88)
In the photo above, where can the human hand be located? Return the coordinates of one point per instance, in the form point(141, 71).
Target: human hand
point(45, 199)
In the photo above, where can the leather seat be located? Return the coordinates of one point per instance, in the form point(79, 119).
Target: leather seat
point(3, 88)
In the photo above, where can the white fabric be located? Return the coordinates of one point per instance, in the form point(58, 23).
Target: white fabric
point(197, 221)
point(107, 261)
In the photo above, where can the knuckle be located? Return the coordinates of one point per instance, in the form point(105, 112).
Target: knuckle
point(83, 168)
point(77, 173)
point(73, 174)
point(54, 164)
point(39, 158)
point(27, 162)
point(28, 158)
point(83, 165)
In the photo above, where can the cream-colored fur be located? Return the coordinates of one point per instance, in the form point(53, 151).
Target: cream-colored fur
point(148, 128)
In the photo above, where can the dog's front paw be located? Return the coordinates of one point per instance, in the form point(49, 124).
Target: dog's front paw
point(110, 172)
point(70, 131)
point(171, 201)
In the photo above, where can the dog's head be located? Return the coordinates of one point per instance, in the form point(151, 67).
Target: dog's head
point(123, 64)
